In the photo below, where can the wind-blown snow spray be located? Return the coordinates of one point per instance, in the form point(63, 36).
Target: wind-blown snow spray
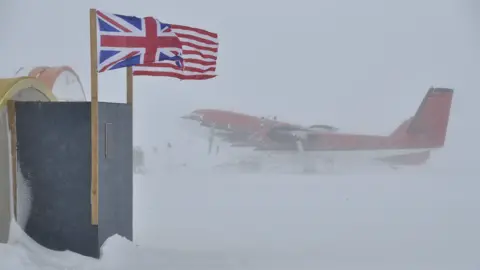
point(23, 193)
point(24, 200)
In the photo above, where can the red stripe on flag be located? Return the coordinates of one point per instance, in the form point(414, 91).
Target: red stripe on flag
point(175, 67)
point(204, 56)
point(173, 75)
point(194, 29)
point(199, 47)
point(196, 38)
point(199, 52)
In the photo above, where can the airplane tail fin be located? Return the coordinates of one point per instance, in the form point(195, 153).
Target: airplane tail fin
point(428, 127)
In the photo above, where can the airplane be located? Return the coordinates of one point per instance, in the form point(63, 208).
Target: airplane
point(409, 144)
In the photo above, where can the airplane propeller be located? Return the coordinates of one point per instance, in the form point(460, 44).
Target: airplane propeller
point(299, 143)
point(308, 163)
point(211, 138)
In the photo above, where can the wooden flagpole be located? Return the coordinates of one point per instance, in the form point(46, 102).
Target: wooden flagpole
point(130, 98)
point(130, 86)
point(94, 115)
point(13, 151)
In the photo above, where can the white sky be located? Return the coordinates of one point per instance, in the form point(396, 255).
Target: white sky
point(360, 65)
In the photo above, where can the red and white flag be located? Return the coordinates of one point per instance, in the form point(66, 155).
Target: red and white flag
point(199, 53)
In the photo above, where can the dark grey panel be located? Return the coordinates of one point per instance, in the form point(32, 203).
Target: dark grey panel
point(53, 144)
point(54, 152)
point(115, 171)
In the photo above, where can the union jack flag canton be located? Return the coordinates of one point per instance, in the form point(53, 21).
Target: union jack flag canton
point(125, 41)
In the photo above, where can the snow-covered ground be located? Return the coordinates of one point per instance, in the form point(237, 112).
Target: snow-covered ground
point(360, 65)
point(411, 219)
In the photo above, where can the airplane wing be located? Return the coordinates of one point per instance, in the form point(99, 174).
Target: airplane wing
point(241, 130)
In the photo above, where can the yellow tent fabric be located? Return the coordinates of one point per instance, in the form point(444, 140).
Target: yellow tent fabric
point(10, 86)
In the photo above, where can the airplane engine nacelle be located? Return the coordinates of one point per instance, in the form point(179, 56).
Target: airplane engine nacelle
point(287, 135)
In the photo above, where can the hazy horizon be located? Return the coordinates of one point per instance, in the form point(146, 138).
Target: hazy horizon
point(359, 65)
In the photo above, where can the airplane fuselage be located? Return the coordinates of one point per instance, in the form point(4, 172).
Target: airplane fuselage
point(409, 144)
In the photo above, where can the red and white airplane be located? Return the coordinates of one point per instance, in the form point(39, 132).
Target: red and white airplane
point(409, 144)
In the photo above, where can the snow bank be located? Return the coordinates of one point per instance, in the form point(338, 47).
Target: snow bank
point(23, 253)
point(117, 253)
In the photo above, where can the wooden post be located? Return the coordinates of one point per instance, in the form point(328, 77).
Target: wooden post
point(129, 85)
point(130, 94)
point(94, 114)
point(13, 151)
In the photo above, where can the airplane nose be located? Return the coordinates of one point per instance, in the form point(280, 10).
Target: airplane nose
point(192, 117)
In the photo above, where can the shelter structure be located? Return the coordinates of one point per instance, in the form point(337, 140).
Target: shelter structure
point(64, 81)
point(18, 89)
point(46, 162)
